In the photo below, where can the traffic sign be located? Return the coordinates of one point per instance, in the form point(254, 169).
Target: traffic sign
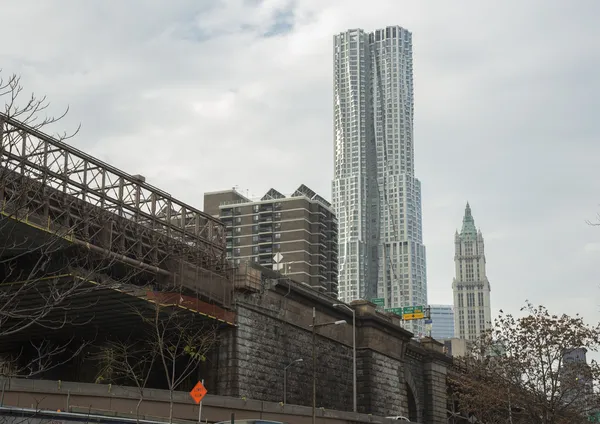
point(198, 392)
point(413, 312)
point(277, 257)
point(397, 311)
point(379, 302)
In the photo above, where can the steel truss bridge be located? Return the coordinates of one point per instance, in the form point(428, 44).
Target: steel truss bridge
point(50, 190)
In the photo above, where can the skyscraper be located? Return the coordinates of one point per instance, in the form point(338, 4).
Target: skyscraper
point(375, 193)
point(472, 311)
point(442, 321)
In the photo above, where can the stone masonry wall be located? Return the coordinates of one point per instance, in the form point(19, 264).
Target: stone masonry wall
point(414, 369)
point(273, 329)
point(381, 384)
point(261, 348)
point(436, 393)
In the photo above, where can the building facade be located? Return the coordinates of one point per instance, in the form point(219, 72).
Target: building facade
point(296, 235)
point(471, 288)
point(576, 379)
point(376, 196)
point(442, 321)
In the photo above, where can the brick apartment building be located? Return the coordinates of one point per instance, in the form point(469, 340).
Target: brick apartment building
point(296, 235)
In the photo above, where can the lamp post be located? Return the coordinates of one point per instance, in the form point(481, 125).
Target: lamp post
point(343, 305)
point(314, 358)
point(285, 378)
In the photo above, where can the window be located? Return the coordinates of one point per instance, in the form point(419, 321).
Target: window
point(238, 230)
point(254, 239)
point(277, 236)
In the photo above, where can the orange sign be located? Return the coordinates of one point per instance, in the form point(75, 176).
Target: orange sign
point(198, 392)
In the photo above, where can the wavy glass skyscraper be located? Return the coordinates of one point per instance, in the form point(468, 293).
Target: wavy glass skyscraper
point(375, 193)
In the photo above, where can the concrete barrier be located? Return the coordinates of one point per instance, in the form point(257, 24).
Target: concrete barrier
point(122, 401)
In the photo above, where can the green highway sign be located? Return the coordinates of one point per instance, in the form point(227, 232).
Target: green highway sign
point(379, 301)
point(397, 311)
point(409, 313)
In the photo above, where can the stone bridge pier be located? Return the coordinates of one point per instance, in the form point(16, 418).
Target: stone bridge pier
point(395, 374)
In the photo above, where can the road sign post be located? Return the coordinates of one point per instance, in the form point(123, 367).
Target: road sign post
point(198, 393)
point(277, 258)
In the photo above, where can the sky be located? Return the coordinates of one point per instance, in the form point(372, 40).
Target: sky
point(203, 95)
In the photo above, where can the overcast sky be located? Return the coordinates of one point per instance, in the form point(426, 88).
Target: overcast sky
point(204, 95)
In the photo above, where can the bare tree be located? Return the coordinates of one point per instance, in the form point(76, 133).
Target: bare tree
point(34, 289)
point(181, 340)
point(53, 248)
point(531, 370)
point(127, 362)
point(171, 342)
point(74, 232)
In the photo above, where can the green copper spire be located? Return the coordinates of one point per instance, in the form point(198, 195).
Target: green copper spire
point(468, 226)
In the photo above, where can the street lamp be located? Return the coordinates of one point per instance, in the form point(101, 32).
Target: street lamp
point(285, 378)
point(343, 305)
point(314, 358)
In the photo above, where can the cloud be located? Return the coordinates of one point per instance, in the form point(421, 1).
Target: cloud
point(200, 96)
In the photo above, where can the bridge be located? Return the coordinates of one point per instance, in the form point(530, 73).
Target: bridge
point(82, 243)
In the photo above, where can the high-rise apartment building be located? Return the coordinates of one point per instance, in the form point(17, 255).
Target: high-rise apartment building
point(296, 235)
point(376, 196)
point(471, 288)
point(442, 321)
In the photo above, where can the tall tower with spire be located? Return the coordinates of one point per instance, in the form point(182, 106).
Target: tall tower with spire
point(471, 288)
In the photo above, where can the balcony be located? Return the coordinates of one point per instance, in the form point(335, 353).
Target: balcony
point(265, 251)
point(266, 262)
point(265, 208)
point(265, 218)
point(227, 220)
point(265, 228)
point(265, 239)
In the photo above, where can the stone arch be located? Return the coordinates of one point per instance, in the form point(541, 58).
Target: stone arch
point(415, 406)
